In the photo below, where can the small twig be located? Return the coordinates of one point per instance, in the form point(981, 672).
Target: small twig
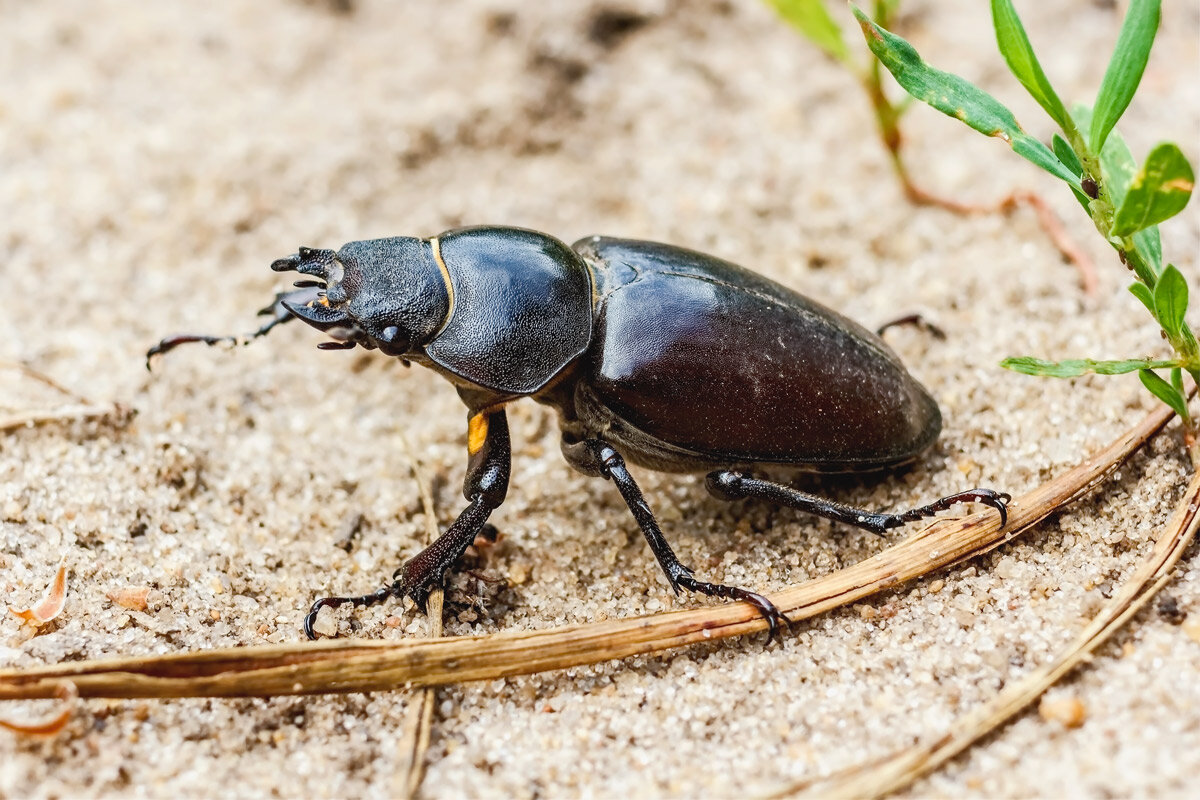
point(1052, 225)
point(418, 725)
point(35, 417)
point(1048, 220)
point(49, 726)
point(81, 408)
point(878, 780)
point(360, 666)
point(42, 377)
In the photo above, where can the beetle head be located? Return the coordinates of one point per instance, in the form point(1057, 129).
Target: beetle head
point(385, 293)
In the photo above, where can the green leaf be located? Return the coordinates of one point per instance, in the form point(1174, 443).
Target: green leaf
point(1158, 192)
point(1170, 300)
point(1067, 155)
point(1018, 52)
point(812, 19)
point(1073, 368)
point(1149, 243)
point(1070, 160)
point(1125, 69)
point(1143, 293)
point(1164, 391)
point(956, 97)
point(1177, 381)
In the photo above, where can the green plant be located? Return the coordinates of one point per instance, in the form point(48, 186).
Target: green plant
point(812, 19)
point(1125, 203)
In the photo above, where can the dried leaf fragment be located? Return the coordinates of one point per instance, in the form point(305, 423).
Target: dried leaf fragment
point(1069, 711)
point(51, 604)
point(51, 725)
point(131, 597)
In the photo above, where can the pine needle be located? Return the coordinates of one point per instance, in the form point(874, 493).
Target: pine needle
point(418, 723)
point(878, 780)
point(361, 666)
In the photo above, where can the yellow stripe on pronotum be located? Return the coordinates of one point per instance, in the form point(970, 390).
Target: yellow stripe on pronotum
point(477, 430)
point(437, 257)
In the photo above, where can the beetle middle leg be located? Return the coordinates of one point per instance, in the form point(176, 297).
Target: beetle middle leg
point(608, 462)
point(490, 459)
point(735, 485)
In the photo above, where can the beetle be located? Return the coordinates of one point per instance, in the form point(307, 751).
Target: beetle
point(653, 354)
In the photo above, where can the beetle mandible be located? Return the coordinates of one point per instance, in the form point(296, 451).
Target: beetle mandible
point(668, 358)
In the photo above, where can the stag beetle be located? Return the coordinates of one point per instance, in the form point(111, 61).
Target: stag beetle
point(668, 358)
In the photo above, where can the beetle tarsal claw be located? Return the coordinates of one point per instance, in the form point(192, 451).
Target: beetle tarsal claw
point(395, 589)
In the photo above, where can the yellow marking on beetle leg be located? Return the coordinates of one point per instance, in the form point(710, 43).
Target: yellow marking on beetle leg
point(477, 430)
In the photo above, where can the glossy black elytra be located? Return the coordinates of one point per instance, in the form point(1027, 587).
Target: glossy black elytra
point(672, 359)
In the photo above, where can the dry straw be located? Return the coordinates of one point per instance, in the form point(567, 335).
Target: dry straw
point(362, 666)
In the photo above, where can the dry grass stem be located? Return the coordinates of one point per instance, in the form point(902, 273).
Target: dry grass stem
point(1089, 279)
point(878, 780)
point(1047, 219)
point(418, 723)
point(80, 411)
point(43, 378)
point(79, 408)
point(360, 666)
point(53, 723)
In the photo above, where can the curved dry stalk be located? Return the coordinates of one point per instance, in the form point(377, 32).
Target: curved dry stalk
point(80, 407)
point(43, 378)
point(360, 666)
point(418, 723)
point(41, 416)
point(52, 724)
point(880, 779)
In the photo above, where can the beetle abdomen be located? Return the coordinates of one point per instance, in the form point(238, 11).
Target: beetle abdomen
point(712, 359)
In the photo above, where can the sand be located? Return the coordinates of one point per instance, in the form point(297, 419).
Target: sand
point(154, 158)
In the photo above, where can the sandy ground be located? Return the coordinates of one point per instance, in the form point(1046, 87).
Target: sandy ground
point(154, 158)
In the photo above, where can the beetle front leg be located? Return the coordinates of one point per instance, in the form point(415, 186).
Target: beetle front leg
point(490, 459)
point(734, 485)
point(276, 311)
point(609, 463)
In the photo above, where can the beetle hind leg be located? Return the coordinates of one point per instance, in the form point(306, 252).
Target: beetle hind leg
point(608, 462)
point(734, 485)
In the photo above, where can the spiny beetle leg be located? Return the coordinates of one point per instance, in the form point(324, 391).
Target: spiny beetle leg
point(486, 484)
point(171, 342)
point(915, 320)
point(612, 466)
point(278, 313)
point(733, 485)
